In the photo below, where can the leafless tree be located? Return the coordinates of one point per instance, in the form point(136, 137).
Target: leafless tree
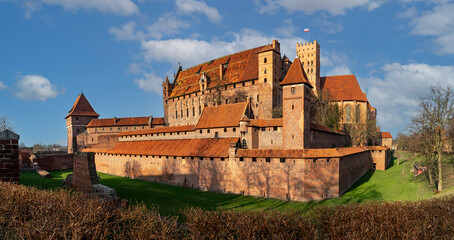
point(361, 131)
point(5, 124)
point(434, 116)
point(324, 112)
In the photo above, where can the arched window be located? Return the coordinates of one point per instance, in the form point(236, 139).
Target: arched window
point(193, 111)
point(312, 63)
point(258, 99)
point(264, 71)
point(187, 112)
point(182, 113)
point(244, 143)
point(348, 114)
point(358, 113)
point(264, 60)
point(307, 63)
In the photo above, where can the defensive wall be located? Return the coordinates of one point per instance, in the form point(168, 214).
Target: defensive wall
point(215, 165)
point(9, 156)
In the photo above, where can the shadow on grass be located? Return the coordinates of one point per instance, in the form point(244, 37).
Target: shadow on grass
point(35, 180)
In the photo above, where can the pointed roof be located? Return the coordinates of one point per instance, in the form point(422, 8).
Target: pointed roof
point(295, 74)
point(285, 59)
point(82, 108)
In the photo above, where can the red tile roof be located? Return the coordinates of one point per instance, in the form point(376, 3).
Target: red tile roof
point(241, 66)
point(184, 128)
point(131, 121)
point(82, 108)
point(300, 153)
point(274, 122)
point(385, 135)
point(378, 147)
point(228, 115)
point(342, 88)
point(202, 147)
point(295, 74)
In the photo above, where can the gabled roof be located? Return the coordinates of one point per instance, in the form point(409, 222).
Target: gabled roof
point(342, 88)
point(82, 108)
point(285, 59)
point(295, 74)
point(241, 66)
point(184, 128)
point(273, 122)
point(385, 135)
point(228, 115)
point(131, 121)
point(300, 153)
point(201, 147)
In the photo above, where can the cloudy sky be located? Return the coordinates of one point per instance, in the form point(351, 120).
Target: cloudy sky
point(117, 52)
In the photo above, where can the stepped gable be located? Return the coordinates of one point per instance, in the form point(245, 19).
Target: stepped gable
point(201, 147)
point(295, 74)
point(385, 135)
point(131, 121)
point(82, 108)
point(343, 88)
point(228, 115)
point(240, 67)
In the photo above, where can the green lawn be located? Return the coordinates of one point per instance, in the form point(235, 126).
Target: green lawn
point(396, 183)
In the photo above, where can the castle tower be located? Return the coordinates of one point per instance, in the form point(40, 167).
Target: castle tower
point(166, 91)
point(269, 72)
point(296, 108)
point(77, 119)
point(309, 55)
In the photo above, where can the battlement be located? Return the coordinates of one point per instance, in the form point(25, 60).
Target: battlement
point(301, 45)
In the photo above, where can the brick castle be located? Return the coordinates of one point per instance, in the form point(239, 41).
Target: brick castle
point(218, 132)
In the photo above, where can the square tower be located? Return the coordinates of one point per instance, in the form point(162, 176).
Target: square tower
point(296, 108)
point(309, 55)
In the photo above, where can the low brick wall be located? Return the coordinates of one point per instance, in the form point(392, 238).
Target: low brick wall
point(54, 160)
point(9, 157)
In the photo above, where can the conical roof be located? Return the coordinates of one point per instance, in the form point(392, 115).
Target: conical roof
point(82, 108)
point(295, 74)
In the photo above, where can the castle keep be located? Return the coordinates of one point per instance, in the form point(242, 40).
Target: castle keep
point(218, 132)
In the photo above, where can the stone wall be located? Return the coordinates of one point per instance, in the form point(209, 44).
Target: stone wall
point(282, 178)
point(84, 172)
point(9, 156)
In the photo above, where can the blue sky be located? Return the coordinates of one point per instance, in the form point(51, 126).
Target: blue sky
point(118, 51)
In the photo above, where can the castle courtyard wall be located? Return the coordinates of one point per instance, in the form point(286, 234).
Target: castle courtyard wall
point(301, 179)
point(323, 139)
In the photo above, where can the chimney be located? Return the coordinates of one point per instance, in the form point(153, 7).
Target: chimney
point(276, 45)
point(248, 101)
point(150, 121)
point(115, 121)
point(221, 71)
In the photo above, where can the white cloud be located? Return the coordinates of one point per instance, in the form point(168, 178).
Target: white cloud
point(30, 8)
point(35, 87)
point(439, 23)
point(335, 7)
point(192, 6)
point(126, 32)
point(117, 7)
point(167, 25)
point(396, 95)
point(334, 63)
point(2, 86)
point(150, 82)
point(287, 29)
point(190, 52)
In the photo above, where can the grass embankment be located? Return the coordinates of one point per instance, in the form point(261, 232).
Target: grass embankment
point(394, 184)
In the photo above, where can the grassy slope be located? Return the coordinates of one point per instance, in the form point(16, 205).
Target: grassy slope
point(396, 183)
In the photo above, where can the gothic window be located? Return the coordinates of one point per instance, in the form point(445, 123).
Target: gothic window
point(312, 63)
point(307, 63)
point(176, 114)
point(348, 113)
point(244, 143)
point(264, 71)
point(187, 112)
point(258, 99)
point(292, 90)
point(200, 110)
point(181, 113)
point(193, 111)
point(358, 113)
point(264, 60)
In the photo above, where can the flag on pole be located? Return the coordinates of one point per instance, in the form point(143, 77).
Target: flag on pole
point(306, 30)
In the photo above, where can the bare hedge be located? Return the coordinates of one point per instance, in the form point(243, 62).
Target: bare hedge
point(37, 214)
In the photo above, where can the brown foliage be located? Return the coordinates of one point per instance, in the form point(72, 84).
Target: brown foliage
point(36, 214)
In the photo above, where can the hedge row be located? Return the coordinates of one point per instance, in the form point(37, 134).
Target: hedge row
point(37, 214)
